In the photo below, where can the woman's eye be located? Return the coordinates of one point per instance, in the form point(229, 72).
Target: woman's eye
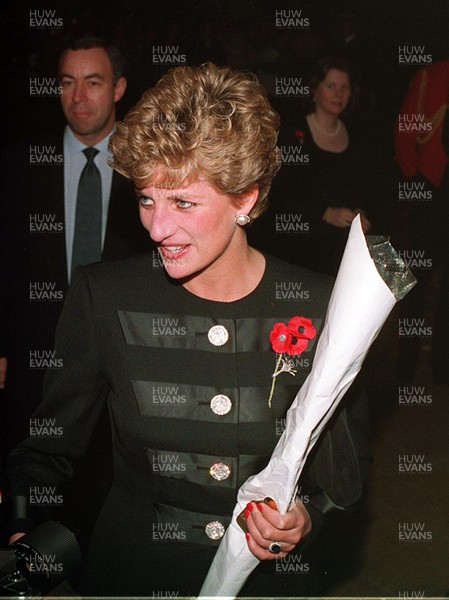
point(144, 201)
point(184, 203)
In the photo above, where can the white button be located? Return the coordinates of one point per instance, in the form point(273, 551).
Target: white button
point(215, 530)
point(218, 335)
point(221, 404)
point(220, 471)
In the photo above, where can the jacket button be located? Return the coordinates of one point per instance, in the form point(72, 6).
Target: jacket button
point(220, 471)
point(215, 530)
point(221, 404)
point(218, 335)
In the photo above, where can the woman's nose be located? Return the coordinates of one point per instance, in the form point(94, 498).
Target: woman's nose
point(160, 223)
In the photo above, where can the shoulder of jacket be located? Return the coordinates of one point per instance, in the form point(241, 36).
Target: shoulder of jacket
point(125, 271)
point(283, 268)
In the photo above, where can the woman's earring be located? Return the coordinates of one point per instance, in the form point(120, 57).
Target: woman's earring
point(242, 220)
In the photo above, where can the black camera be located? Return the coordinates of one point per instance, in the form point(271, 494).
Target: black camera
point(38, 561)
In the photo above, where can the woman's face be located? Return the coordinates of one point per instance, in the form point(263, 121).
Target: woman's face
point(333, 93)
point(193, 228)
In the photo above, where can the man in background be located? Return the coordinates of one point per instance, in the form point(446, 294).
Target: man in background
point(64, 206)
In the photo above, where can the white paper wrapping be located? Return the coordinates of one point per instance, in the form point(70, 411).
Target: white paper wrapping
point(359, 305)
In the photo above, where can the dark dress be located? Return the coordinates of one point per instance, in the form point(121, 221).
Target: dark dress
point(129, 329)
point(309, 181)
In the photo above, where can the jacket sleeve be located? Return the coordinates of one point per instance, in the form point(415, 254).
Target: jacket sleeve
point(337, 469)
point(332, 481)
point(74, 393)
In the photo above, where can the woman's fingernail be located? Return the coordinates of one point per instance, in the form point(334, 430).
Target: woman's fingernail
point(259, 506)
point(250, 507)
point(246, 513)
point(248, 537)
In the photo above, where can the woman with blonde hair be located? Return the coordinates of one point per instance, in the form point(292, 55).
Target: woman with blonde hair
point(183, 343)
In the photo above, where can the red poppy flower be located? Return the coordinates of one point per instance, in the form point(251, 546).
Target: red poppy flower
point(302, 328)
point(297, 346)
point(280, 338)
point(299, 135)
point(291, 339)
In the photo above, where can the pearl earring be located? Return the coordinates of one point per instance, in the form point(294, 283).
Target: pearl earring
point(242, 220)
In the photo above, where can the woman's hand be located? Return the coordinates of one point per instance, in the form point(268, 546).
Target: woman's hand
point(343, 217)
point(339, 217)
point(365, 222)
point(266, 525)
point(15, 537)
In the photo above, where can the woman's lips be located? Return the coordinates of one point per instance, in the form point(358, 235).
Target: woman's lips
point(173, 251)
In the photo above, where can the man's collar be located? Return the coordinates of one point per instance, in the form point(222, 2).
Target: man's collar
point(74, 146)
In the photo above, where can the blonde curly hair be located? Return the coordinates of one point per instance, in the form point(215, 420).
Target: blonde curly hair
point(208, 122)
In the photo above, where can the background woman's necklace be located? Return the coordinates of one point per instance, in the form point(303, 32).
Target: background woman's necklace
point(318, 126)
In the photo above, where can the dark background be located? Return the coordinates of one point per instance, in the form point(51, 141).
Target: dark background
point(205, 30)
point(238, 33)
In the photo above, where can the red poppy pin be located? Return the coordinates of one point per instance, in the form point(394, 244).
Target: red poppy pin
point(291, 340)
point(299, 135)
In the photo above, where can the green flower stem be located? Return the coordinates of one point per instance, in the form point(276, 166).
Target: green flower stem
point(274, 379)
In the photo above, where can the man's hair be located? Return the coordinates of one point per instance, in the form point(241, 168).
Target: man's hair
point(207, 122)
point(116, 58)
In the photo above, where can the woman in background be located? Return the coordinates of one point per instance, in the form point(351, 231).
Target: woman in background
point(323, 183)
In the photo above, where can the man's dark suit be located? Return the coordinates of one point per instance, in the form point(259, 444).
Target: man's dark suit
point(36, 262)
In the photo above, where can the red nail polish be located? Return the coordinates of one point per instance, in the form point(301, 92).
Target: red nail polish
point(246, 513)
point(250, 507)
point(248, 537)
point(259, 506)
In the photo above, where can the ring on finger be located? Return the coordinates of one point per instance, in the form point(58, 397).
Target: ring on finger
point(275, 547)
